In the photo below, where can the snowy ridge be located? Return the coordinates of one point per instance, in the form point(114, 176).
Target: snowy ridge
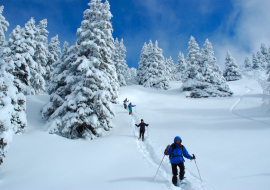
point(154, 155)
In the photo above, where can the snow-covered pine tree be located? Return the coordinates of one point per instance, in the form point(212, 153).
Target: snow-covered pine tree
point(41, 50)
point(180, 67)
point(142, 64)
point(81, 105)
point(192, 78)
point(119, 61)
point(208, 82)
point(53, 54)
point(25, 50)
point(231, 71)
point(261, 60)
point(155, 73)
point(265, 53)
point(247, 64)
point(57, 80)
point(170, 69)
point(12, 103)
point(131, 76)
point(3, 26)
point(255, 63)
point(18, 54)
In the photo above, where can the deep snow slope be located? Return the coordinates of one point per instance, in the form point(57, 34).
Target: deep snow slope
point(229, 136)
point(38, 160)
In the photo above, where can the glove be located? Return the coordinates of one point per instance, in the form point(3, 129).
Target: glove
point(167, 148)
point(192, 157)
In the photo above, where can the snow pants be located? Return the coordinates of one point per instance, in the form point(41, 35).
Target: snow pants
point(142, 134)
point(125, 106)
point(181, 173)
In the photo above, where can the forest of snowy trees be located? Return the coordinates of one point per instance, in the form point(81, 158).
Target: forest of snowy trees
point(83, 80)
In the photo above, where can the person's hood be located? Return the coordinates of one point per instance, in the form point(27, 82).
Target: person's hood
point(177, 138)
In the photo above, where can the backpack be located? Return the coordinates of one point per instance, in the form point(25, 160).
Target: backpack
point(174, 147)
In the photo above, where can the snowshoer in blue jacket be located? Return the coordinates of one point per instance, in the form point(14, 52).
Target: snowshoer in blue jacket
point(130, 108)
point(125, 103)
point(142, 128)
point(177, 153)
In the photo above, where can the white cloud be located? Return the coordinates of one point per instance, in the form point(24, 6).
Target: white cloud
point(247, 27)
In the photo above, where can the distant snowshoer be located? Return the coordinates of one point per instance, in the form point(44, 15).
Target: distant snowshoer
point(125, 103)
point(130, 108)
point(176, 152)
point(142, 128)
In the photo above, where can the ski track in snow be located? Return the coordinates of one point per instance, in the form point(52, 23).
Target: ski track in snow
point(232, 110)
point(154, 155)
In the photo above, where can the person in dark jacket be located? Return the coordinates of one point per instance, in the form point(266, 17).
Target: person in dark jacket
point(177, 153)
point(142, 128)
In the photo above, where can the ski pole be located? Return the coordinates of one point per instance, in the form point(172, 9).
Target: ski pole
point(159, 166)
point(198, 169)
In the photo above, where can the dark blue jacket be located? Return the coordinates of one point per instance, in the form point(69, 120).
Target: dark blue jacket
point(177, 153)
point(142, 126)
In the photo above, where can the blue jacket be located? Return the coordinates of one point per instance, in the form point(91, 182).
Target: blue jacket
point(130, 107)
point(177, 153)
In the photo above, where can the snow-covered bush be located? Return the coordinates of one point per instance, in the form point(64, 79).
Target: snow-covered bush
point(152, 69)
point(85, 81)
point(231, 71)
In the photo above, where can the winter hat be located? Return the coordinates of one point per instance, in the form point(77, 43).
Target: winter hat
point(177, 138)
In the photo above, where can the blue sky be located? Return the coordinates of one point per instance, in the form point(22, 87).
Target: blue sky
point(238, 26)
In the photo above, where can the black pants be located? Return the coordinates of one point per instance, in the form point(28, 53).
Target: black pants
point(181, 173)
point(142, 134)
point(125, 106)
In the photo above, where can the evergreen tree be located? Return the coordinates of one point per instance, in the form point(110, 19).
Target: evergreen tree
point(264, 52)
point(120, 62)
point(231, 71)
point(41, 50)
point(247, 63)
point(142, 64)
point(37, 82)
point(205, 78)
point(155, 70)
point(3, 26)
point(192, 60)
point(12, 103)
point(18, 54)
point(261, 61)
point(54, 51)
point(80, 105)
point(180, 67)
point(170, 69)
point(255, 63)
point(131, 76)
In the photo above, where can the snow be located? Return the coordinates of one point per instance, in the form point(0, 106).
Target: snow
point(229, 136)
